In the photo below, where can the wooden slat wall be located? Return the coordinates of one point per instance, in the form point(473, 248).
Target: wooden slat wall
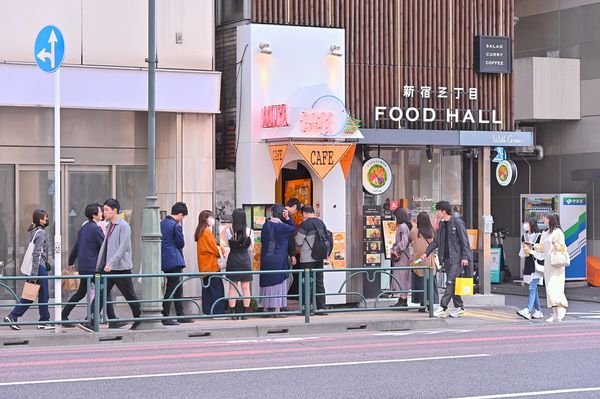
point(390, 43)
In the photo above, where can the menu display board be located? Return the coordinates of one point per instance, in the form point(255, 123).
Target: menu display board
point(372, 235)
point(256, 249)
point(337, 259)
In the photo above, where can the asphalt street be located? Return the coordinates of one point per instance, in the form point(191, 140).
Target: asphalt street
point(530, 359)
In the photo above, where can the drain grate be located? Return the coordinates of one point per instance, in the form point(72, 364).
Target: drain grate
point(202, 334)
point(279, 331)
point(15, 343)
point(116, 338)
point(358, 327)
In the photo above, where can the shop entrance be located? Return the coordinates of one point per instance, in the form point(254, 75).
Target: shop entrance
point(294, 181)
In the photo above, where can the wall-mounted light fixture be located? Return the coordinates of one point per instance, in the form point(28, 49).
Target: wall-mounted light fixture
point(429, 153)
point(265, 48)
point(336, 50)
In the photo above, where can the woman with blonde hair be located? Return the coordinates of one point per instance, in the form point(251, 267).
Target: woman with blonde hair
point(208, 252)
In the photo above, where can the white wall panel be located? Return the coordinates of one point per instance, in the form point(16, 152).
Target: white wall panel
point(20, 22)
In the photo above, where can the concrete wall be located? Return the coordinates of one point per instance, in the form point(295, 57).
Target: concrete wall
point(112, 32)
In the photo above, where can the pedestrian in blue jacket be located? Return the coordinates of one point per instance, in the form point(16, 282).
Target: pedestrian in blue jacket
point(85, 253)
point(172, 260)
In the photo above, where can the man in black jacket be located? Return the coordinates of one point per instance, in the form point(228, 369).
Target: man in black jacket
point(454, 251)
point(85, 252)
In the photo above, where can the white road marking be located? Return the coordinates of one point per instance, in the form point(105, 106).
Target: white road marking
point(426, 332)
point(244, 370)
point(525, 394)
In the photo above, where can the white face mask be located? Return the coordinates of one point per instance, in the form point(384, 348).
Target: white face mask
point(210, 221)
point(526, 226)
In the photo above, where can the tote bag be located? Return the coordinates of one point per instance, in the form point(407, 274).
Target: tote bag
point(27, 263)
point(30, 291)
point(463, 286)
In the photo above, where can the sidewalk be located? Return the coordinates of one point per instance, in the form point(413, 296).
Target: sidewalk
point(254, 327)
point(583, 294)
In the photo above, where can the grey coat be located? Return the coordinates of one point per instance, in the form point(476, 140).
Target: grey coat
point(116, 248)
point(40, 249)
point(458, 242)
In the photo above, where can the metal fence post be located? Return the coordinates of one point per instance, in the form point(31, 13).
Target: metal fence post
point(430, 291)
point(307, 300)
point(97, 299)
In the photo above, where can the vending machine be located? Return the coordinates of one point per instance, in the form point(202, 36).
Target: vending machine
point(572, 209)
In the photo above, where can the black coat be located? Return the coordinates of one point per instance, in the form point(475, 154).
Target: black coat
point(86, 248)
point(458, 242)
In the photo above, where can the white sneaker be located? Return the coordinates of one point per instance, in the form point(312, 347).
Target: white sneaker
point(561, 313)
point(537, 315)
point(457, 312)
point(45, 327)
point(550, 319)
point(524, 313)
point(440, 313)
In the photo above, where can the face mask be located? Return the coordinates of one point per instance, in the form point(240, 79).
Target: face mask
point(211, 222)
point(526, 226)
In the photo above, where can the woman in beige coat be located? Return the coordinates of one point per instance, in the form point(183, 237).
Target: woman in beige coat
point(420, 237)
point(553, 239)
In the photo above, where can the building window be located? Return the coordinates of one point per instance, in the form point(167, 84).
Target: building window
point(232, 11)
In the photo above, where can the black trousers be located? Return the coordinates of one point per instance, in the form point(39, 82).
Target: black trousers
point(125, 285)
point(79, 295)
point(172, 282)
point(319, 285)
point(452, 272)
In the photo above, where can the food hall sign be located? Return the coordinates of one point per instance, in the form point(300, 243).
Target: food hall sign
point(492, 54)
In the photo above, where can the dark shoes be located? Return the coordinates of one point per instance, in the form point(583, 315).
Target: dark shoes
point(10, 319)
point(117, 324)
point(67, 325)
point(170, 323)
point(87, 327)
point(135, 325)
point(182, 321)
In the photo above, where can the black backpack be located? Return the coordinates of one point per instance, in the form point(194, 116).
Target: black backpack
point(323, 245)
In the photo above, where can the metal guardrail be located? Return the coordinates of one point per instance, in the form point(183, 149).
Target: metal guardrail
point(306, 297)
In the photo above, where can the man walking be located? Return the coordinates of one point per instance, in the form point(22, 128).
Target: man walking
point(454, 251)
point(115, 259)
point(312, 229)
point(85, 251)
point(172, 260)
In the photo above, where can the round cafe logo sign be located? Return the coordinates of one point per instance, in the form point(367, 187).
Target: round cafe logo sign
point(506, 173)
point(376, 176)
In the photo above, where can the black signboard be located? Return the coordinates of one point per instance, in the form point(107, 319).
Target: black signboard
point(372, 235)
point(492, 54)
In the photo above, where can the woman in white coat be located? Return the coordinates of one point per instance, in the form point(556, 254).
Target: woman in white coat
point(553, 241)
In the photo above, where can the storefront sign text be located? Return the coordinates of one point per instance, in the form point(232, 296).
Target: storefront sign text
point(274, 116)
point(277, 152)
point(492, 54)
point(322, 157)
point(412, 114)
point(411, 91)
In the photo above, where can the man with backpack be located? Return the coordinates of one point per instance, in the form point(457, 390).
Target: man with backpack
point(316, 243)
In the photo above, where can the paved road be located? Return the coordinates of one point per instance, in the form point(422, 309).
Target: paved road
point(519, 358)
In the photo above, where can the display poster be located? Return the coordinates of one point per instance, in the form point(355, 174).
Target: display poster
point(389, 234)
point(337, 258)
point(372, 235)
point(223, 241)
point(256, 249)
point(300, 189)
point(259, 216)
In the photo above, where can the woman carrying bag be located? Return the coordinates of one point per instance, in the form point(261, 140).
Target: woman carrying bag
point(555, 260)
point(533, 269)
point(39, 267)
point(401, 258)
point(421, 236)
point(208, 253)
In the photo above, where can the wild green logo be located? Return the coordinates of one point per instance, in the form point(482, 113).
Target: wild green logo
point(377, 176)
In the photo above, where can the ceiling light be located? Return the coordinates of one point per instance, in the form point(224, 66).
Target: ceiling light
point(336, 50)
point(265, 48)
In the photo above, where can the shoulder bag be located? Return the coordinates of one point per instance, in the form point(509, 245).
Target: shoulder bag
point(27, 263)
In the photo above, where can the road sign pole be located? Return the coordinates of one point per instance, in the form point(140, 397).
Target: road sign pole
point(57, 215)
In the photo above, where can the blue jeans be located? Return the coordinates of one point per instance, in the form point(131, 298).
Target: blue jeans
point(43, 297)
point(534, 298)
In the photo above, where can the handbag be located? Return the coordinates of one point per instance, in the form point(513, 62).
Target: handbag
point(560, 258)
point(539, 267)
point(30, 291)
point(463, 286)
point(70, 284)
point(27, 263)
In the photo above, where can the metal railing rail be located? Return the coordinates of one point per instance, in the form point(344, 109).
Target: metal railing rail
point(306, 295)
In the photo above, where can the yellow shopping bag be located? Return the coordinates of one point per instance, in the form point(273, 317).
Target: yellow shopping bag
point(463, 286)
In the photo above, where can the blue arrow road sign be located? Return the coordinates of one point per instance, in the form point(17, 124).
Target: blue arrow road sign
point(49, 49)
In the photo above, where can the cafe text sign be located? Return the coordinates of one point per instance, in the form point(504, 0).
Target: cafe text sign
point(322, 157)
point(492, 54)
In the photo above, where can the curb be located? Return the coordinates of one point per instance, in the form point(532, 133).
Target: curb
point(71, 337)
